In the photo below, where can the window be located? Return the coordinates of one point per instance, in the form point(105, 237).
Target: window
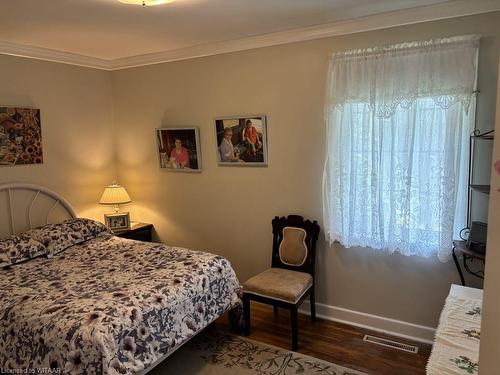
point(398, 124)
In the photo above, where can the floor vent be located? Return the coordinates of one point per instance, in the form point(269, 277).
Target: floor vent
point(391, 344)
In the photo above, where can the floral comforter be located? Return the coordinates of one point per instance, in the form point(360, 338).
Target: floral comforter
point(456, 346)
point(108, 305)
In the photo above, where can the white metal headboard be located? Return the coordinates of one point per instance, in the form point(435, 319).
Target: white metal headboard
point(10, 188)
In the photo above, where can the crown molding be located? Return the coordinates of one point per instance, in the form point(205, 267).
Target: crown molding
point(452, 9)
point(47, 54)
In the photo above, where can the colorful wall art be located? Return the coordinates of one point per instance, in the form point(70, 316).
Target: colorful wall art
point(20, 136)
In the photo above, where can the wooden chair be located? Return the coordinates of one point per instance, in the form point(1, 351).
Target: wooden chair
point(291, 276)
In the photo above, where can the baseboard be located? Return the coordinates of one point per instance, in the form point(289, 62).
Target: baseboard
point(377, 323)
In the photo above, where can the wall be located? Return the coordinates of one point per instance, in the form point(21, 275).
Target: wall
point(490, 329)
point(228, 210)
point(77, 126)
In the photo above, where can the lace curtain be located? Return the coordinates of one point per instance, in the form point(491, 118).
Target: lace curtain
point(398, 123)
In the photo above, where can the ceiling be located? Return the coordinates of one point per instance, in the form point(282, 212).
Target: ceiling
point(109, 30)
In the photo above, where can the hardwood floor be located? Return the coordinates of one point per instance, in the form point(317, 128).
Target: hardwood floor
point(334, 342)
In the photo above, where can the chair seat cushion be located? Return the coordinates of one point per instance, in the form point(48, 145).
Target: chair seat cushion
point(280, 284)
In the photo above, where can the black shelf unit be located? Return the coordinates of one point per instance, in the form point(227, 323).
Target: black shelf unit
point(485, 189)
point(469, 255)
point(476, 136)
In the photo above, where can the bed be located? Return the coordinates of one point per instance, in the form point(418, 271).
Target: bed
point(456, 345)
point(94, 303)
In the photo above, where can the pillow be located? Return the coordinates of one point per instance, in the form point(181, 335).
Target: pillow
point(88, 227)
point(19, 248)
point(58, 237)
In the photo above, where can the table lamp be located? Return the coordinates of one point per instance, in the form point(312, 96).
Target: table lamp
point(115, 195)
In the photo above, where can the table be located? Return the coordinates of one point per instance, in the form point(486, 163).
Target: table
point(468, 256)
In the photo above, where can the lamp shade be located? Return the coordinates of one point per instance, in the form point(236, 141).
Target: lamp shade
point(115, 194)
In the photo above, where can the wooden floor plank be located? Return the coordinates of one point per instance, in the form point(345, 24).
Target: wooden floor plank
point(334, 342)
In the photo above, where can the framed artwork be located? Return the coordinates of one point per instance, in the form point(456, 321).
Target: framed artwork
point(241, 140)
point(20, 136)
point(179, 149)
point(118, 221)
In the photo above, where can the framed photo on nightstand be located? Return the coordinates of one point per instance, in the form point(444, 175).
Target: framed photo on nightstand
point(118, 221)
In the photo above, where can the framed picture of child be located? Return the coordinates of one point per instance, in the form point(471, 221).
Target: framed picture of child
point(241, 140)
point(179, 149)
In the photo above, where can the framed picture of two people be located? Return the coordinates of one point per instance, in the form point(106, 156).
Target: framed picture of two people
point(240, 141)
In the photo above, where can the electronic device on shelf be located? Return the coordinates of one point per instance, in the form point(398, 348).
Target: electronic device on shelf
point(477, 236)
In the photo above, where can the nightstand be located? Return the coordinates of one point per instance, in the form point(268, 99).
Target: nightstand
point(137, 231)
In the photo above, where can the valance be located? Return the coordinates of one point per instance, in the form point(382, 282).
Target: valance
point(387, 77)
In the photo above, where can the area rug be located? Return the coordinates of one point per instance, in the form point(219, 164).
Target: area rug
point(213, 353)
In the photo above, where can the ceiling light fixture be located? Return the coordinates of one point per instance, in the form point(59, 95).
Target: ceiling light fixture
point(146, 3)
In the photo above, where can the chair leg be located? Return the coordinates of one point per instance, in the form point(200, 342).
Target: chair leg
point(275, 307)
point(246, 314)
point(312, 301)
point(294, 318)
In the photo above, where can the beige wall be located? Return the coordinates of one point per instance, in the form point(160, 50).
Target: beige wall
point(490, 326)
point(77, 126)
point(228, 210)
